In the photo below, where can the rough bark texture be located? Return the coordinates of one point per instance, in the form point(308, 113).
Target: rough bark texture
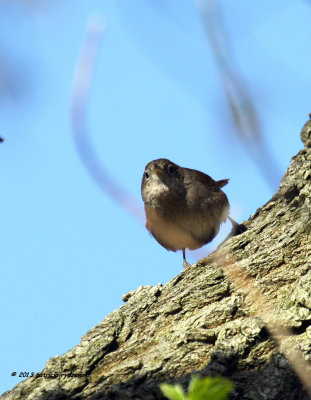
point(203, 322)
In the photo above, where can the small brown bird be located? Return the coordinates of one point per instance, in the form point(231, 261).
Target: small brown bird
point(184, 207)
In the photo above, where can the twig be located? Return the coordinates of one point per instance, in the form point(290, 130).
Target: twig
point(239, 101)
point(81, 87)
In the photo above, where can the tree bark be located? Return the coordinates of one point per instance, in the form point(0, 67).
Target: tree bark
point(223, 316)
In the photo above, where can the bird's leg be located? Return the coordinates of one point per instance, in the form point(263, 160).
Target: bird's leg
point(237, 229)
point(185, 263)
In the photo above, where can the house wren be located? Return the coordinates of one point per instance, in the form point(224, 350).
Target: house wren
point(184, 207)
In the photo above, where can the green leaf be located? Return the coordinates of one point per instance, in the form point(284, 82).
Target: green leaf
point(209, 388)
point(173, 392)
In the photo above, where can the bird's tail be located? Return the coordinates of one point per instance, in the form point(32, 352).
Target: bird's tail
point(222, 183)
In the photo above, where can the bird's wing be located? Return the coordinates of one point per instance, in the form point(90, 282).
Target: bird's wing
point(200, 177)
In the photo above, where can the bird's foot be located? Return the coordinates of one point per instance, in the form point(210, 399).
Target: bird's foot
point(185, 263)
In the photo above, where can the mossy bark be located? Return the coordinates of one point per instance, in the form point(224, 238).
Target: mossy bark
point(204, 322)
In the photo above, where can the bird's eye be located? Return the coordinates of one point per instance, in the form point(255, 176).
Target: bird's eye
point(146, 175)
point(171, 169)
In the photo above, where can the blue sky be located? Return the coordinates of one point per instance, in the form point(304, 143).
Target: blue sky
point(68, 252)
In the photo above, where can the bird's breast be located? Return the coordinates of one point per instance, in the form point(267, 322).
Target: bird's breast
point(167, 233)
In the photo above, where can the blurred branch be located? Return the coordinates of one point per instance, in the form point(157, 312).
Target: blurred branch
point(81, 86)
point(242, 109)
point(14, 80)
point(247, 285)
